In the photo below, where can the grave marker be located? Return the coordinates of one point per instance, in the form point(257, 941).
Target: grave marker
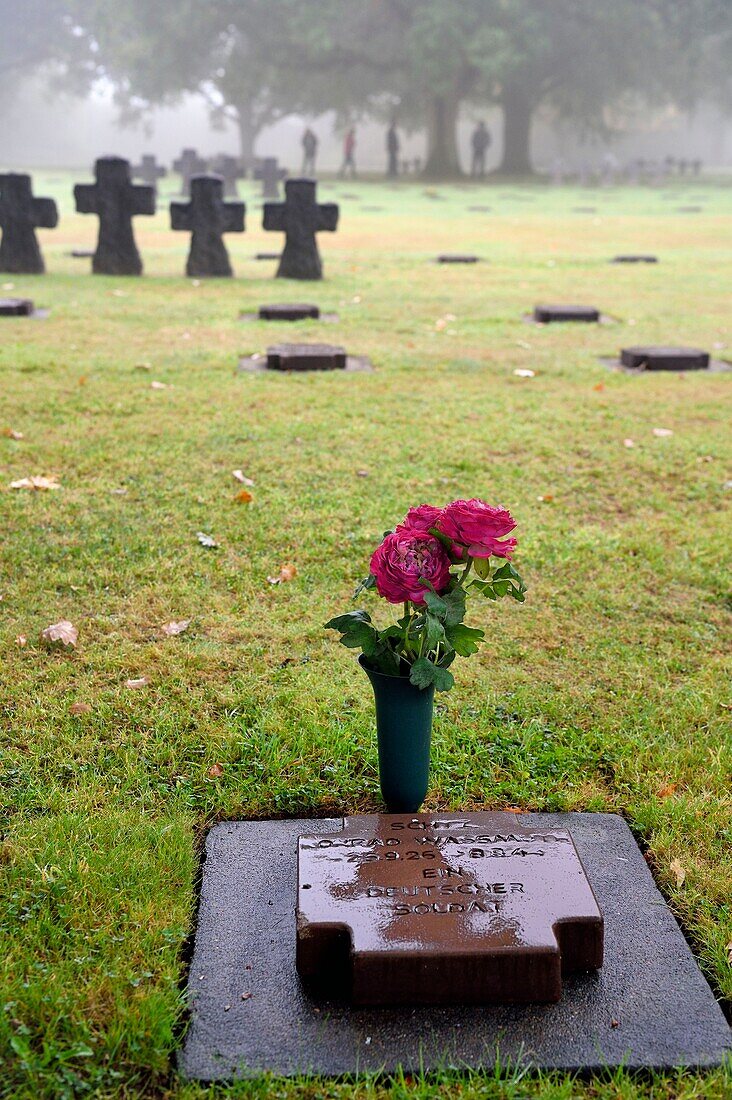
point(300, 217)
point(148, 170)
point(207, 217)
point(660, 358)
point(16, 307)
point(283, 311)
point(457, 258)
point(116, 200)
point(268, 172)
point(230, 169)
point(302, 357)
point(633, 259)
point(189, 164)
point(545, 314)
point(20, 216)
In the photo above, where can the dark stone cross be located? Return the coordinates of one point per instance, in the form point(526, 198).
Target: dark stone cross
point(148, 170)
point(116, 200)
point(20, 216)
point(300, 217)
point(270, 175)
point(230, 169)
point(189, 164)
point(452, 908)
point(207, 217)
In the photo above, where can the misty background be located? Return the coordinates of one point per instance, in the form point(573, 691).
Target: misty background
point(555, 80)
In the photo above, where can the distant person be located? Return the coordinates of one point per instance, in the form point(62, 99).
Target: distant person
point(309, 152)
point(480, 142)
point(349, 154)
point(392, 149)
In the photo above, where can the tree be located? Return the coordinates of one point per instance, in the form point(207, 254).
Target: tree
point(38, 34)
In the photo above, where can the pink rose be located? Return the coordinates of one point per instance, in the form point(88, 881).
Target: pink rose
point(420, 519)
point(402, 559)
point(478, 526)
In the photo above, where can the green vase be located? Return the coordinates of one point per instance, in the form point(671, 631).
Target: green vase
point(404, 731)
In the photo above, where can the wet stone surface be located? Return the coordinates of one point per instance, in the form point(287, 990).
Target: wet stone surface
point(649, 1005)
point(462, 909)
point(660, 358)
point(16, 307)
point(545, 314)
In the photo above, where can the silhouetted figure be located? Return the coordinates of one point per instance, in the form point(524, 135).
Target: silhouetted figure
point(349, 152)
point(207, 217)
point(309, 152)
point(20, 216)
point(480, 143)
point(116, 200)
point(392, 150)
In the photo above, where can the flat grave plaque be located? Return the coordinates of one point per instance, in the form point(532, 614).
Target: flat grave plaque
point(292, 311)
point(545, 314)
point(659, 358)
point(457, 258)
point(633, 259)
point(302, 357)
point(457, 909)
point(267, 255)
point(16, 307)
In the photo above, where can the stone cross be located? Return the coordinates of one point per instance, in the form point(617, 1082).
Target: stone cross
point(188, 164)
point(230, 169)
point(116, 200)
point(270, 175)
point(207, 217)
point(20, 216)
point(148, 170)
point(444, 908)
point(300, 217)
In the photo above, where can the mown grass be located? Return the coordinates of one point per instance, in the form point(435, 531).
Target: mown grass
point(607, 690)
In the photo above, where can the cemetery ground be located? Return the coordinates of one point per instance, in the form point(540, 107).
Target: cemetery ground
point(607, 691)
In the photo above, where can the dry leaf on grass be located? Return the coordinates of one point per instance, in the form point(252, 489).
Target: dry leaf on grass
point(286, 573)
point(668, 790)
point(11, 434)
point(38, 483)
point(63, 634)
point(679, 871)
point(239, 475)
point(362, 473)
point(629, 443)
point(207, 540)
point(599, 387)
point(80, 708)
point(728, 949)
point(524, 372)
point(140, 682)
point(159, 386)
point(216, 771)
point(172, 628)
point(244, 496)
point(662, 433)
point(21, 641)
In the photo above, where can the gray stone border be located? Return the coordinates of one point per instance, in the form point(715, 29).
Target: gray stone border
point(716, 366)
point(249, 364)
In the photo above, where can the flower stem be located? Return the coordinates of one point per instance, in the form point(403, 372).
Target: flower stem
point(465, 571)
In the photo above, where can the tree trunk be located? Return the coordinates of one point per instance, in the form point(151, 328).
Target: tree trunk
point(247, 135)
point(443, 161)
point(517, 112)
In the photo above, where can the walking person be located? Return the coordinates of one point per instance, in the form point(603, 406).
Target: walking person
point(480, 141)
point(392, 149)
point(309, 151)
point(349, 150)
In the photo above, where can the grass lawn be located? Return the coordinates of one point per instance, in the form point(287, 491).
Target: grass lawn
point(608, 690)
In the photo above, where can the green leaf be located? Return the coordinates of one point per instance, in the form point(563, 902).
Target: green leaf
point(436, 605)
point(424, 673)
point(369, 582)
point(482, 567)
point(345, 622)
point(455, 602)
point(434, 632)
point(501, 587)
point(464, 639)
point(485, 588)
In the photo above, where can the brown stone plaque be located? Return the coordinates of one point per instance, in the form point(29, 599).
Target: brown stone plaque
point(656, 358)
point(289, 311)
point(545, 314)
point(444, 909)
point(300, 357)
point(632, 258)
point(457, 258)
point(16, 307)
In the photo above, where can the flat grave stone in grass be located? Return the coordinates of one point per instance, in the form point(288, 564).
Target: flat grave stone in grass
point(16, 307)
point(457, 258)
point(82, 253)
point(689, 209)
point(649, 1007)
point(268, 255)
point(288, 311)
point(297, 357)
point(584, 209)
point(660, 358)
point(546, 314)
point(632, 258)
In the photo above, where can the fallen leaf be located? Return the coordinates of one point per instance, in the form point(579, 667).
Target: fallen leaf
point(142, 366)
point(207, 540)
point(246, 996)
point(662, 433)
point(668, 790)
point(119, 492)
point(244, 496)
point(523, 344)
point(515, 810)
point(80, 708)
point(159, 386)
point(362, 473)
point(216, 771)
point(728, 949)
point(239, 475)
point(286, 573)
point(119, 293)
point(21, 641)
point(440, 323)
point(524, 372)
point(140, 682)
point(629, 443)
point(171, 629)
point(599, 387)
point(63, 633)
point(547, 498)
point(12, 434)
point(679, 871)
point(39, 483)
